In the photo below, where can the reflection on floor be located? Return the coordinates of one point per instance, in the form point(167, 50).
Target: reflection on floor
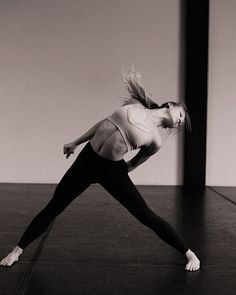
point(96, 247)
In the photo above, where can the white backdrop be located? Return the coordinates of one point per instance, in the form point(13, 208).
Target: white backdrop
point(221, 133)
point(60, 72)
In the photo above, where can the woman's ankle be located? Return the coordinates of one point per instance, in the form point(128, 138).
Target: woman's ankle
point(188, 252)
point(18, 250)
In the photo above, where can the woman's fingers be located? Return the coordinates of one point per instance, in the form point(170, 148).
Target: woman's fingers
point(65, 149)
point(69, 153)
point(68, 150)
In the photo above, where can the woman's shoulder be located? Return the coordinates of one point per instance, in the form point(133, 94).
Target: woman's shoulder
point(133, 103)
point(153, 145)
point(157, 139)
point(129, 107)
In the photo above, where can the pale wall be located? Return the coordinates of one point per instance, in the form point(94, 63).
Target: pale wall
point(221, 133)
point(61, 63)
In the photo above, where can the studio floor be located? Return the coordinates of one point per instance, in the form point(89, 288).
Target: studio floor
point(96, 247)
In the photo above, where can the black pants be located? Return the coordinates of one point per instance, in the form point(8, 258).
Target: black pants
point(90, 168)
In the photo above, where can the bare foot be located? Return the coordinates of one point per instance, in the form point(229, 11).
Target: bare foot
point(193, 262)
point(12, 257)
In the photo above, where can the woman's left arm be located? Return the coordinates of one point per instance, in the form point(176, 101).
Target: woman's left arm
point(69, 148)
point(143, 155)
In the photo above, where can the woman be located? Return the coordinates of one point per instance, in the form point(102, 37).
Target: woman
point(132, 126)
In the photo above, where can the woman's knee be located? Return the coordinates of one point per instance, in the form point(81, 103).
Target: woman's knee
point(59, 191)
point(54, 207)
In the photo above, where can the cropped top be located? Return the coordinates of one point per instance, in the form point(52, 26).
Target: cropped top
point(134, 124)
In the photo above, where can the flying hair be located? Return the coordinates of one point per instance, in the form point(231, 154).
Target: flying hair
point(136, 90)
point(137, 94)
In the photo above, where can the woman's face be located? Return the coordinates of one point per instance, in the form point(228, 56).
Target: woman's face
point(177, 116)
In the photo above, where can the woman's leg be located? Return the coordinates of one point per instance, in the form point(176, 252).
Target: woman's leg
point(73, 183)
point(120, 186)
point(124, 191)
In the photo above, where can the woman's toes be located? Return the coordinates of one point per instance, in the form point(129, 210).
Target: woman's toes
point(191, 268)
point(3, 263)
point(8, 261)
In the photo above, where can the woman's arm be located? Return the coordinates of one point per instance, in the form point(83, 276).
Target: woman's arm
point(70, 147)
point(87, 135)
point(144, 153)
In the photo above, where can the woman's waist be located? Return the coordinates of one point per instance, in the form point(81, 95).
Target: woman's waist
point(109, 149)
point(108, 142)
point(97, 163)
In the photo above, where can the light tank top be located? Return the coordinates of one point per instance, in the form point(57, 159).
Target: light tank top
point(134, 125)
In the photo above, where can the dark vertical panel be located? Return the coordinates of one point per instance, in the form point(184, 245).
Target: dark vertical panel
point(196, 20)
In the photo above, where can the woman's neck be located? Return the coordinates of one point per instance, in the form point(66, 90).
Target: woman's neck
point(159, 117)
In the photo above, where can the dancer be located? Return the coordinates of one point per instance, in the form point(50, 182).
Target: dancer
point(135, 125)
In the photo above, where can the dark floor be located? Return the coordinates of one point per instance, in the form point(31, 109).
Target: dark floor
point(96, 247)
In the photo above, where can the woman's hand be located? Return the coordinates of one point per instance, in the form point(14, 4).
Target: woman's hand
point(69, 149)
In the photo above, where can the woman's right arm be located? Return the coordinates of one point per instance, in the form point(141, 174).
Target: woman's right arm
point(143, 155)
point(70, 147)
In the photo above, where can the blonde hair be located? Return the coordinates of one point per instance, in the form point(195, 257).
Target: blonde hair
point(136, 90)
point(137, 94)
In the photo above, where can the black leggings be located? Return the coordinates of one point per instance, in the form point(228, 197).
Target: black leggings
point(90, 168)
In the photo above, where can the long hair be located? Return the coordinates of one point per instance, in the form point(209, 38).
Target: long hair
point(136, 90)
point(137, 94)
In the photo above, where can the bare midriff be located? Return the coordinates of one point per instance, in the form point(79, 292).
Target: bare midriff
point(108, 142)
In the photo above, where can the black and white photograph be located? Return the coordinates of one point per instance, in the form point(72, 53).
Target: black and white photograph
point(117, 162)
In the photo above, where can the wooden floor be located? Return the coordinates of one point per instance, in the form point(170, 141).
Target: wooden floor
point(96, 247)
